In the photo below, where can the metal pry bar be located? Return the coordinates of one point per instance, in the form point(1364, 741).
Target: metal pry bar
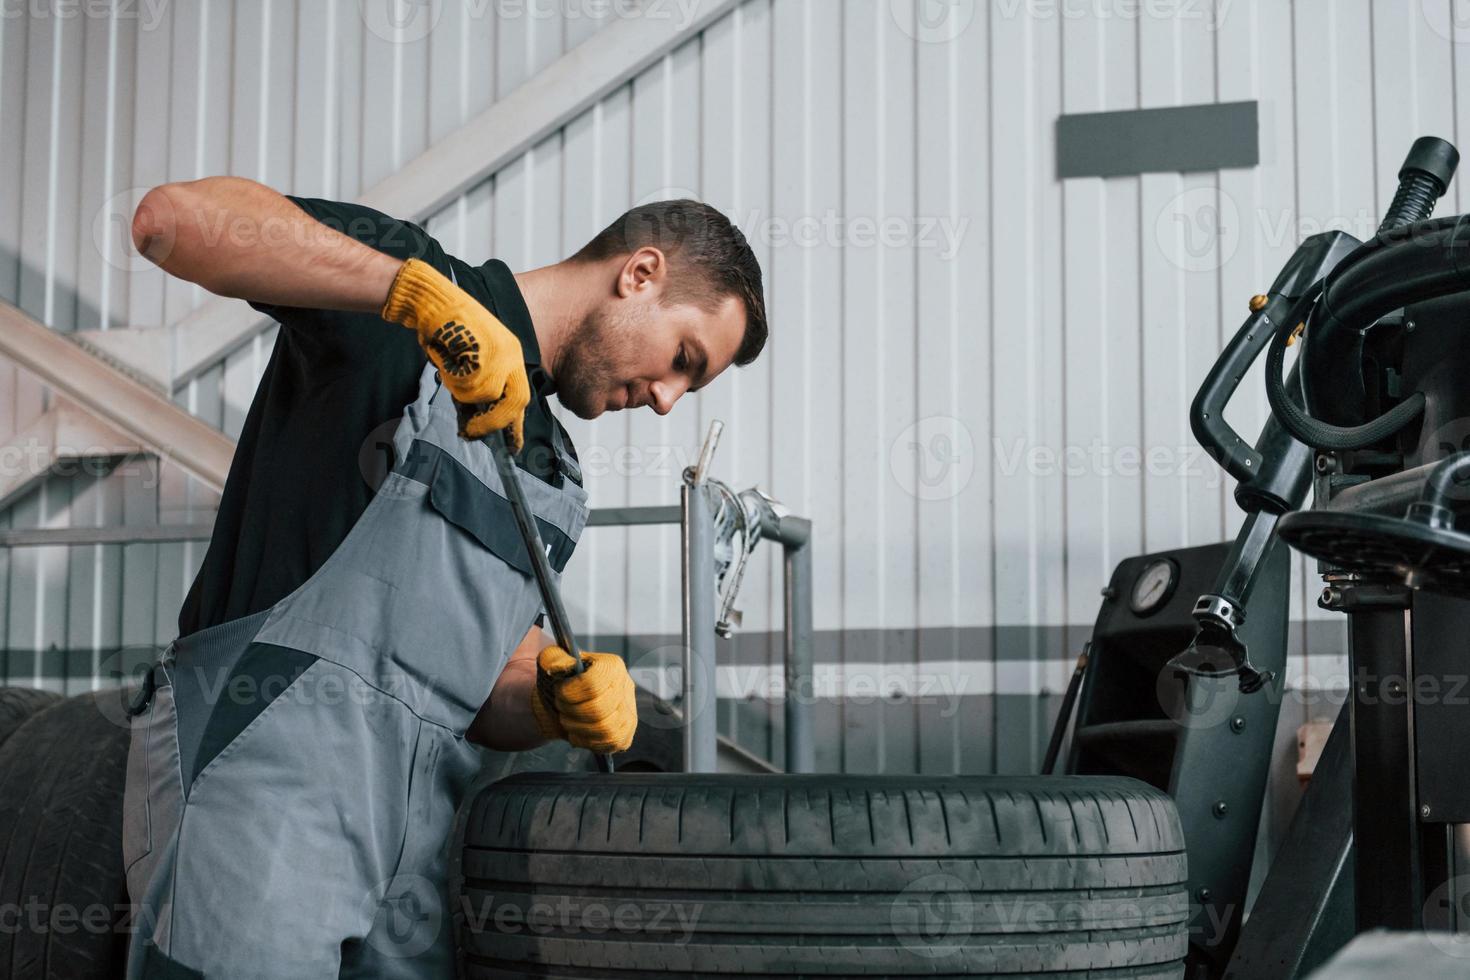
point(560, 625)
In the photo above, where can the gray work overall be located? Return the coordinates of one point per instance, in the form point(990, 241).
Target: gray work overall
point(294, 774)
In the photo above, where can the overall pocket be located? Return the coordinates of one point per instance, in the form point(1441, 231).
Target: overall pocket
point(153, 794)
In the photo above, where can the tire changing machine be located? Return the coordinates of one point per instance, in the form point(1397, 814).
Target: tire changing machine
point(1200, 723)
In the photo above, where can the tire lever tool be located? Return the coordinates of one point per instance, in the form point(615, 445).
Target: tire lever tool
point(560, 626)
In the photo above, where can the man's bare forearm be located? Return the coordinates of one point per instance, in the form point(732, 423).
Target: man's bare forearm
point(238, 238)
point(505, 721)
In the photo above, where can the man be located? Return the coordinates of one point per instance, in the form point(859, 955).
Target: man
point(299, 752)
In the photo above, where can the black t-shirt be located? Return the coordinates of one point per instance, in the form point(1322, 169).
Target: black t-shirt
point(317, 436)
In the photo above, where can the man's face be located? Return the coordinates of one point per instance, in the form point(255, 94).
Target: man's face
point(635, 350)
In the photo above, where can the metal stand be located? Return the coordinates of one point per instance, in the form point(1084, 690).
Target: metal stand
point(1406, 712)
point(1380, 653)
point(698, 675)
point(1400, 736)
point(702, 623)
point(795, 533)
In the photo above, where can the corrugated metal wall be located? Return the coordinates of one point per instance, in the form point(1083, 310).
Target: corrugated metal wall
point(978, 375)
point(309, 96)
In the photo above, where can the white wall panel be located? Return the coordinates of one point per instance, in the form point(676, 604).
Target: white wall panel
point(953, 329)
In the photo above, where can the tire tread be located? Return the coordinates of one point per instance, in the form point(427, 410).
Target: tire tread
point(773, 861)
point(18, 704)
point(61, 786)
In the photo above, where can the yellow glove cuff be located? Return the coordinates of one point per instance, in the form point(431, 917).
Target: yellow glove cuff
point(421, 294)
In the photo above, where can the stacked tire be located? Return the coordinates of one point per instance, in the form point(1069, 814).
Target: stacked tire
point(18, 703)
point(63, 899)
point(572, 875)
point(581, 875)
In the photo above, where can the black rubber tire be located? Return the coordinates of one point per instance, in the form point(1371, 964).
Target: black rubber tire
point(572, 875)
point(19, 703)
point(61, 867)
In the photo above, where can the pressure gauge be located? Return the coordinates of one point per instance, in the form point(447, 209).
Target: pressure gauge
point(1153, 587)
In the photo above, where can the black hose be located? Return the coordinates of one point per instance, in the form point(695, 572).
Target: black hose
point(1421, 233)
point(1423, 179)
point(1418, 231)
point(1374, 280)
point(1437, 253)
point(1302, 426)
point(1412, 202)
point(1411, 259)
point(1380, 277)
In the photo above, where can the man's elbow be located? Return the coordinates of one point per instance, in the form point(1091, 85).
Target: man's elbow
point(156, 223)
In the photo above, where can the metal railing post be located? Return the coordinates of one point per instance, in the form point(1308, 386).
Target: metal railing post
point(698, 573)
point(801, 755)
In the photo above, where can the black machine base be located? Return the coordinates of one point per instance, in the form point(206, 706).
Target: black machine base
point(1190, 732)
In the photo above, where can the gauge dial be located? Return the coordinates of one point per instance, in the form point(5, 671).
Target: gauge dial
point(1153, 587)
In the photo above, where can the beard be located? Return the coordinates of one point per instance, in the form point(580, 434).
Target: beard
point(587, 371)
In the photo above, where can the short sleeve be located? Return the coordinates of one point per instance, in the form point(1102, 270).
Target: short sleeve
point(391, 236)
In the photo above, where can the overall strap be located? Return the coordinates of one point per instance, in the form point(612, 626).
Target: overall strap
point(566, 463)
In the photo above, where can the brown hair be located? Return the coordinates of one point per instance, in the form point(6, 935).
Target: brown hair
point(693, 235)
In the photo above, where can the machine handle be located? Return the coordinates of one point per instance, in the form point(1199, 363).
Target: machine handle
point(1207, 413)
point(1316, 256)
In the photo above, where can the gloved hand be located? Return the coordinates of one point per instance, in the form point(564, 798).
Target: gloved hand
point(595, 710)
point(479, 359)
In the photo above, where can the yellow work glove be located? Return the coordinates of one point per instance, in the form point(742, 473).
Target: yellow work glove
point(597, 709)
point(479, 359)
